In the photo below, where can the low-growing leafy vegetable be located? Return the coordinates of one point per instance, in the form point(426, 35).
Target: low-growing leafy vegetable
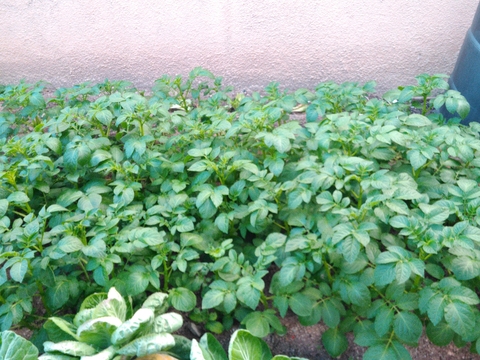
point(364, 214)
point(105, 328)
point(15, 347)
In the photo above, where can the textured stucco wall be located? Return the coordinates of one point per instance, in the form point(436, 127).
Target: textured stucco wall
point(297, 43)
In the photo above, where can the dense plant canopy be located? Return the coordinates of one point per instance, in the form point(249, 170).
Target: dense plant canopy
point(365, 215)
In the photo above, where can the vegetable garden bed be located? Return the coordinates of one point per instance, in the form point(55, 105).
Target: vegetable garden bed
point(364, 216)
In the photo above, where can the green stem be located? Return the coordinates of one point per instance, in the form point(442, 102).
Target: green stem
point(360, 196)
point(84, 270)
point(41, 291)
point(264, 300)
point(183, 97)
point(327, 269)
point(27, 208)
point(19, 213)
point(108, 129)
point(142, 131)
point(166, 276)
point(280, 226)
point(416, 282)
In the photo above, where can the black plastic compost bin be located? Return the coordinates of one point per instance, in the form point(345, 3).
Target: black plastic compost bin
point(466, 74)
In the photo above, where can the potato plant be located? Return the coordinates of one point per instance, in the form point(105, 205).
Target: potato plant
point(365, 216)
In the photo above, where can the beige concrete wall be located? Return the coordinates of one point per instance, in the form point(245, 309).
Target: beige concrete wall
point(297, 43)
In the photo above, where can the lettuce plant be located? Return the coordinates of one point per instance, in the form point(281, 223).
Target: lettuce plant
point(105, 328)
point(15, 347)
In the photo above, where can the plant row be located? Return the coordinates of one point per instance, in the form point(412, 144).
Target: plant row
point(365, 215)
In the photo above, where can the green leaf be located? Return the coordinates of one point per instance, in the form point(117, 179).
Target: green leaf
point(301, 304)
point(402, 272)
point(198, 353)
point(408, 301)
point(384, 274)
point(19, 270)
point(18, 197)
point(257, 324)
point(417, 120)
point(212, 298)
point(387, 258)
point(460, 317)
point(95, 249)
point(54, 144)
point(69, 197)
point(58, 356)
point(182, 299)
point(350, 249)
point(184, 225)
point(464, 295)
point(380, 352)
point(398, 206)
point(182, 347)
point(97, 332)
point(435, 270)
point(70, 244)
point(140, 323)
point(70, 159)
point(157, 302)
point(114, 306)
point(15, 347)
point(463, 108)
point(400, 351)
point(59, 294)
point(335, 342)
point(245, 346)
point(440, 334)
point(169, 322)
point(281, 143)
point(358, 294)
point(59, 329)
point(365, 334)
point(436, 308)
point(106, 354)
point(73, 348)
point(400, 221)
point(465, 268)
point(222, 222)
point(291, 270)
point(104, 116)
point(248, 293)
point(330, 314)
point(384, 320)
point(137, 282)
point(3, 207)
point(91, 301)
point(408, 327)
point(148, 344)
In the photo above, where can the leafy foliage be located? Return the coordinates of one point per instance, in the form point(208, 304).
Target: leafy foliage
point(366, 217)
